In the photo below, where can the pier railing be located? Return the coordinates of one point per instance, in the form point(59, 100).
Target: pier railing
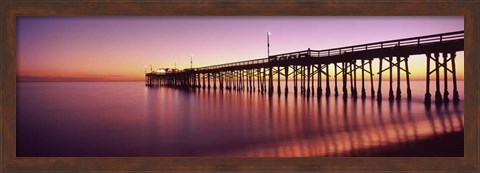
point(407, 42)
point(414, 41)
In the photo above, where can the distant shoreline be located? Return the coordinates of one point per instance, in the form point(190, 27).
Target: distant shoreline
point(84, 81)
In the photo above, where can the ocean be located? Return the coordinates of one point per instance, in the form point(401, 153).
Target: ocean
point(128, 119)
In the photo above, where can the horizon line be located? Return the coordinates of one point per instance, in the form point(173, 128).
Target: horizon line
point(387, 80)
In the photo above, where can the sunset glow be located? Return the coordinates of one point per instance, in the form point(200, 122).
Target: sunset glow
point(118, 48)
point(123, 87)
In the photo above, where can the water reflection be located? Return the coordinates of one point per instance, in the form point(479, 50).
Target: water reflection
point(261, 125)
point(187, 123)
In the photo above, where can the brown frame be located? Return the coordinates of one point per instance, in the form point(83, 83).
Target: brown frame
point(10, 9)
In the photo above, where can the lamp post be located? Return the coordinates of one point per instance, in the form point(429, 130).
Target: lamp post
point(268, 44)
point(145, 69)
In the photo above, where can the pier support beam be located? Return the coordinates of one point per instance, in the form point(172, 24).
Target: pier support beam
point(445, 78)
point(234, 79)
point(427, 92)
point(278, 80)
point(355, 79)
point(241, 80)
point(199, 84)
point(214, 81)
point(221, 78)
point(208, 76)
point(295, 79)
point(438, 96)
point(344, 79)
point(390, 92)
point(308, 80)
point(379, 90)
point(227, 80)
point(327, 89)
point(247, 80)
point(335, 76)
point(409, 91)
point(203, 76)
point(352, 89)
point(456, 97)
point(270, 80)
point(258, 79)
point(252, 72)
point(302, 82)
point(286, 79)
point(264, 80)
point(399, 91)
point(364, 94)
point(372, 90)
point(319, 80)
point(313, 76)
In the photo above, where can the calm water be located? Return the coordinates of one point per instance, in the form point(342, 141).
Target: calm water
point(129, 119)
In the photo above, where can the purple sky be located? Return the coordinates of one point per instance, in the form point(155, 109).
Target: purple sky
point(117, 48)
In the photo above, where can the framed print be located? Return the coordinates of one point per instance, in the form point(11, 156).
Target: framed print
point(239, 86)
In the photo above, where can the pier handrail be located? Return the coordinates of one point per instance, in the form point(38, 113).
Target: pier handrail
point(413, 41)
point(238, 63)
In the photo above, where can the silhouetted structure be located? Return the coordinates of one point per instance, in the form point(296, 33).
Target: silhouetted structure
point(307, 63)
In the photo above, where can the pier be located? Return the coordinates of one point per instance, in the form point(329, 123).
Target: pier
point(260, 75)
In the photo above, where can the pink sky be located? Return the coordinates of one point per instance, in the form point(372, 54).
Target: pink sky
point(117, 48)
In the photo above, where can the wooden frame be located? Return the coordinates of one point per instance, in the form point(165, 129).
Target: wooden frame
point(10, 9)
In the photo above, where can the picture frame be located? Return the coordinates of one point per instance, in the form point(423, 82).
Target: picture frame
point(12, 9)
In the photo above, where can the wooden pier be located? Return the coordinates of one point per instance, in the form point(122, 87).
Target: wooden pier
point(259, 75)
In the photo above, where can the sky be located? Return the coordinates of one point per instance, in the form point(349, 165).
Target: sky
point(117, 48)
